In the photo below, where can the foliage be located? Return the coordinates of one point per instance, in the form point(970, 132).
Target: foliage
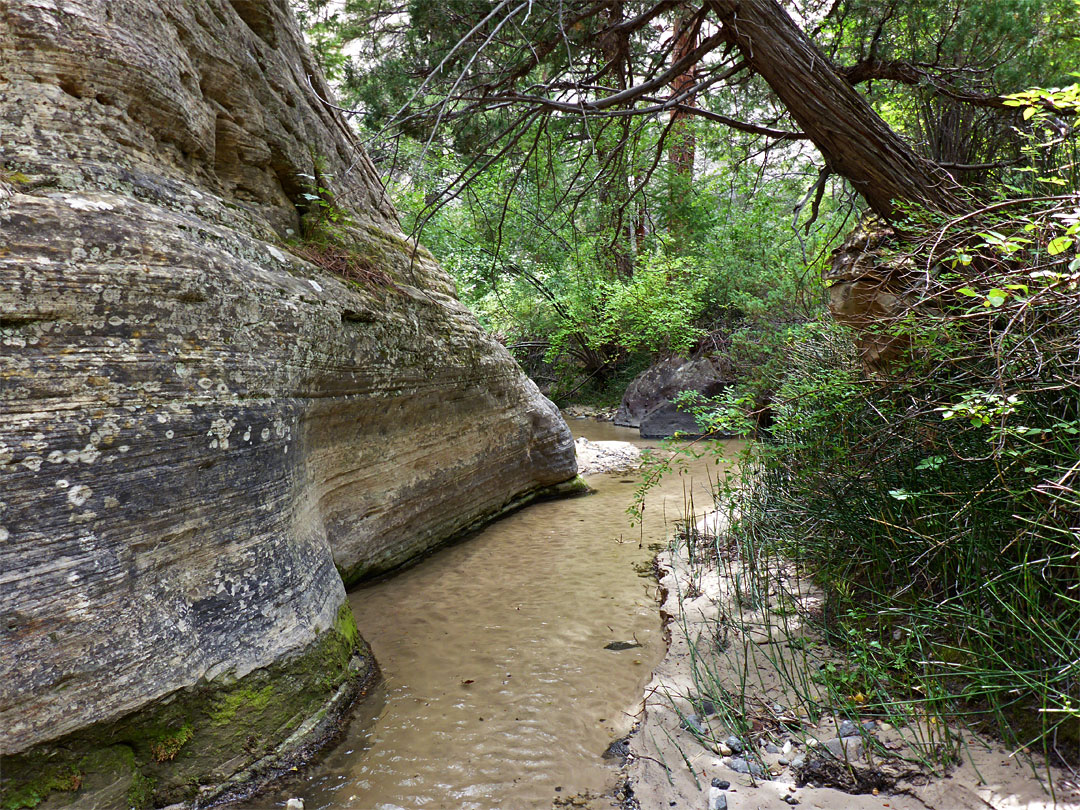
point(937, 502)
point(942, 65)
point(547, 215)
point(727, 279)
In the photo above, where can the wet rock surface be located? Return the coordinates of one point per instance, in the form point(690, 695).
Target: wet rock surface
point(202, 431)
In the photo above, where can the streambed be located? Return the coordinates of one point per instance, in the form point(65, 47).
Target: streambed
point(499, 689)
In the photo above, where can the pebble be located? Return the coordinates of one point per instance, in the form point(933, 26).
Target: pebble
point(691, 723)
point(845, 747)
point(783, 761)
point(723, 784)
point(791, 800)
point(294, 804)
point(771, 749)
point(740, 765)
point(717, 799)
point(724, 750)
point(798, 762)
point(618, 749)
point(734, 743)
point(869, 725)
point(707, 708)
point(760, 636)
point(847, 729)
point(621, 645)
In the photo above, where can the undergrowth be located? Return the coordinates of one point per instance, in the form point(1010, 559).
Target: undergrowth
point(934, 494)
point(938, 504)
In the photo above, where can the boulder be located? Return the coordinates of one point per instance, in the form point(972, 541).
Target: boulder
point(606, 456)
point(666, 420)
point(653, 391)
point(868, 292)
point(207, 418)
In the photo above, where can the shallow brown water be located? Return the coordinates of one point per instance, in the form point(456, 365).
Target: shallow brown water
point(497, 689)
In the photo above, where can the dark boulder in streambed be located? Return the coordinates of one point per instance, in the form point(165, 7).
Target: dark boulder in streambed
point(648, 403)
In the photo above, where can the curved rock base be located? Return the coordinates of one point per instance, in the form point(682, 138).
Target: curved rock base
point(216, 737)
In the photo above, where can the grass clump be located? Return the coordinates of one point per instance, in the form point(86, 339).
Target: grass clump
point(935, 496)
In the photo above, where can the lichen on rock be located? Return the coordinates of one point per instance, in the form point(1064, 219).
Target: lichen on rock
point(200, 427)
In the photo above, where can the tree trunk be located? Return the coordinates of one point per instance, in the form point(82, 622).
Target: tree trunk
point(681, 152)
point(853, 139)
point(614, 188)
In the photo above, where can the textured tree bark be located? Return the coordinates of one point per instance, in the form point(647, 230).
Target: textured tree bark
point(852, 138)
point(681, 153)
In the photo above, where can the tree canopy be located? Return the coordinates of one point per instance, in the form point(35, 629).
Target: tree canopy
point(482, 78)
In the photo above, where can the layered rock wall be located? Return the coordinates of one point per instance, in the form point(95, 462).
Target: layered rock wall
point(201, 430)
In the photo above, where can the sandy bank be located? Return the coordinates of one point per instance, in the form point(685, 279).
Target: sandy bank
point(741, 663)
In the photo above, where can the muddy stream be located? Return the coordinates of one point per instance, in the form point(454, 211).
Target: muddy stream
point(498, 689)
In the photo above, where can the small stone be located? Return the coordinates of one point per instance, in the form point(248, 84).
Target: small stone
point(847, 729)
point(734, 743)
point(791, 800)
point(740, 765)
point(294, 804)
point(771, 749)
point(778, 709)
point(759, 636)
point(691, 723)
point(845, 747)
point(618, 749)
point(886, 727)
point(783, 761)
point(717, 799)
point(869, 726)
point(798, 762)
point(707, 708)
point(724, 750)
point(723, 784)
point(786, 748)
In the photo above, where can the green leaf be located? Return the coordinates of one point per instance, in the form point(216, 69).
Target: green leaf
point(1030, 111)
point(1059, 245)
point(970, 293)
point(996, 297)
point(930, 463)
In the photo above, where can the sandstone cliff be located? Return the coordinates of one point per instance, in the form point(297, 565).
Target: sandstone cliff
point(201, 431)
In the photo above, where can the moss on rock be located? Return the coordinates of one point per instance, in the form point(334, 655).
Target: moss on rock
point(200, 742)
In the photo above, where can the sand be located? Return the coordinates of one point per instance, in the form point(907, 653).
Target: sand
point(721, 640)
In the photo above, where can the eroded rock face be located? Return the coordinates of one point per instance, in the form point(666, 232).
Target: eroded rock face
point(870, 290)
point(199, 429)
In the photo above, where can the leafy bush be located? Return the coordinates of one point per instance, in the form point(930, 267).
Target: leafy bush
point(938, 504)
